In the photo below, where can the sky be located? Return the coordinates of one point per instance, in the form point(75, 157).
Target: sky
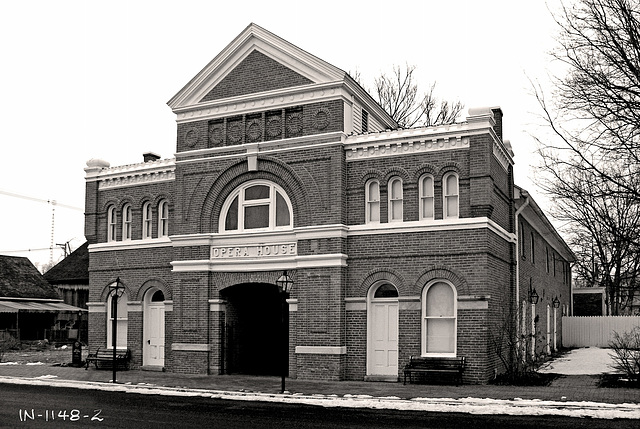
point(91, 79)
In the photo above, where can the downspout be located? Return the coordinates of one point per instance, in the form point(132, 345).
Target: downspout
point(525, 194)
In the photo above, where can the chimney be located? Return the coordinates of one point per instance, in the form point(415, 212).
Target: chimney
point(150, 156)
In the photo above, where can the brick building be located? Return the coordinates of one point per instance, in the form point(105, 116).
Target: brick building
point(400, 242)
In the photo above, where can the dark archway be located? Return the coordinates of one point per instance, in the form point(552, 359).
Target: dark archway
point(253, 331)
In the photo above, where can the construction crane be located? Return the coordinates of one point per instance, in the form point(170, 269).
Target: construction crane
point(53, 204)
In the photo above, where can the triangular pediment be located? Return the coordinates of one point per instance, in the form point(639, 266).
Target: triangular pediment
point(256, 61)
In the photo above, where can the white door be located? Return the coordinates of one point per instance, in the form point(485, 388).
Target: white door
point(154, 335)
point(383, 338)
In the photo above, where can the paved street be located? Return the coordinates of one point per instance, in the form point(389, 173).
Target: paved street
point(66, 407)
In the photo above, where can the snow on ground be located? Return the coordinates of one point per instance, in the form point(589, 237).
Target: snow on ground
point(464, 405)
point(583, 361)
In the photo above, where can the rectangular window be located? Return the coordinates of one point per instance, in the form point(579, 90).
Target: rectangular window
point(532, 248)
point(365, 121)
point(256, 217)
point(547, 262)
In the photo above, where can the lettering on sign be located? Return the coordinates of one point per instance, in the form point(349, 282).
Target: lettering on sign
point(254, 251)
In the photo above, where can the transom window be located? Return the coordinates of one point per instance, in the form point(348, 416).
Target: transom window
point(257, 205)
point(386, 290)
point(439, 319)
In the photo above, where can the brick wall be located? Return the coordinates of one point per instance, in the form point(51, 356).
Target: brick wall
point(256, 73)
point(549, 284)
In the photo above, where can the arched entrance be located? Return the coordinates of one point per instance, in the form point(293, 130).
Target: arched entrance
point(382, 348)
point(153, 332)
point(253, 330)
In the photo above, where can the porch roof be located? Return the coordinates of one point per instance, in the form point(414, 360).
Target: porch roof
point(13, 306)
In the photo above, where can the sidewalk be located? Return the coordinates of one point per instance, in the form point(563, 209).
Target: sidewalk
point(566, 392)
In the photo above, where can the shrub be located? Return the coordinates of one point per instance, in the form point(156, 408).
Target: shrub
point(626, 357)
point(7, 343)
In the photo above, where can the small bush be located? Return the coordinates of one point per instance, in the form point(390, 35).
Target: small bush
point(626, 357)
point(8, 343)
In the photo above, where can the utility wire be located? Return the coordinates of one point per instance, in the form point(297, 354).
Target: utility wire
point(40, 200)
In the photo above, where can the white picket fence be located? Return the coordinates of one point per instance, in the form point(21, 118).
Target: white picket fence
point(595, 331)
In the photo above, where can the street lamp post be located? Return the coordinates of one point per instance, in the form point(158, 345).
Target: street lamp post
point(285, 284)
point(116, 291)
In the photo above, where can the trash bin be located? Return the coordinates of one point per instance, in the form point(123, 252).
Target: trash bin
point(76, 354)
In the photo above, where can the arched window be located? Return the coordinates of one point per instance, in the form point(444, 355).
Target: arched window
point(372, 191)
point(395, 200)
point(147, 220)
point(122, 322)
point(426, 197)
point(439, 327)
point(451, 197)
point(257, 205)
point(126, 222)
point(163, 219)
point(111, 223)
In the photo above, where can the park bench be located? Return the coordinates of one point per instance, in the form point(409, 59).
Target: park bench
point(434, 365)
point(104, 358)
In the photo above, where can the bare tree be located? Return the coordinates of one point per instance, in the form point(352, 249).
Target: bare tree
point(596, 108)
point(398, 94)
point(591, 168)
point(602, 227)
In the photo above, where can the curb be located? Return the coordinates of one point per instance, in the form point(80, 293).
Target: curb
point(517, 406)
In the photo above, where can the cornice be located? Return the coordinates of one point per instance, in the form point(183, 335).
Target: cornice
point(433, 225)
point(272, 237)
point(295, 143)
point(268, 100)
point(130, 245)
point(265, 264)
point(132, 174)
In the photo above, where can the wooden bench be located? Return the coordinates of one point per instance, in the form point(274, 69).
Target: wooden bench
point(104, 358)
point(434, 365)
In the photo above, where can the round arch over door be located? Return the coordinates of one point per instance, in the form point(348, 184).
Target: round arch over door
point(382, 332)
point(153, 331)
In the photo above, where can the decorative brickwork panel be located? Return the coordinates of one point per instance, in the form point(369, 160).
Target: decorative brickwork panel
point(235, 133)
point(254, 128)
point(256, 73)
point(294, 122)
point(274, 125)
point(217, 132)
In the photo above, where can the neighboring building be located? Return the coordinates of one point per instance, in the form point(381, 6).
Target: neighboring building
point(28, 304)
point(70, 279)
point(589, 301)
point(400, 241)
